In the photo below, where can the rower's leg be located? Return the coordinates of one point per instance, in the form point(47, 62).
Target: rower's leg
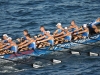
point(61, 40)
point(75, 38)
point(56, 40)
point(65, 40)
point(40, 45)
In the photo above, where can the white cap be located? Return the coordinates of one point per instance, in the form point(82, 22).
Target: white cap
point(58, 24)
point(84, 25)
point(9, 38)
point(66, 28)
point(5, 35)
point(0, 39)
point(48, 31)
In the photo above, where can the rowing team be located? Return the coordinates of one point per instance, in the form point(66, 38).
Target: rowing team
point(73, 32)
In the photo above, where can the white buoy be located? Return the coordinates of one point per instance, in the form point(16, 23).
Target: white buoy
point(56, 61)
point(94, 54)
point(36, 66)
point(74, 52)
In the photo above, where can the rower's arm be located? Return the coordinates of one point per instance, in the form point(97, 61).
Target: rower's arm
point(9, 46)
point(45, 40)
point(78, 29)
point(22, 43)
point(70, 27)
point(40, 38)
point(95, 27)
point(59, 34)
point(55, 32)
point(83, 31)
point(27, 44)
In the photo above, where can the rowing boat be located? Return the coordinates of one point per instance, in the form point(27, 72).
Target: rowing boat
point(59, 47)
point(48, 50)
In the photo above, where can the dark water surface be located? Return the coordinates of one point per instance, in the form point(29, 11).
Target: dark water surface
point(17, 15)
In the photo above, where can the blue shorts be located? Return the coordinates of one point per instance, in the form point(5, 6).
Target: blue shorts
point(68, 38)
point(14, 48)
point(32, 45)
point(51, 42)
point(85, 34)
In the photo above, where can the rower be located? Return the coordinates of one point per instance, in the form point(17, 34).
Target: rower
point(73, 27)
point(95, 26)
point(30, 42)
point(5, 37)
point(48, 38)
point(42, 35)
point(25, 32)
point(4, 41)
point(42, 29)
point(84, 31)
point(59, 31)
point(66, 35)
point(11, 45)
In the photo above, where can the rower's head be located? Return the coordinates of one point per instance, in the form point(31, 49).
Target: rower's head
point(5, 36)
point(42, 28)
point(59, 25)
point(47, 32)
point(66, 29)
point(0, 40)
point(28, 36)
point(84, 25)
point(9, 39)
point(98, 19)
point(72, 22)
point(25, 32)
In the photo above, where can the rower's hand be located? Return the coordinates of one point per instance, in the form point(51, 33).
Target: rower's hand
point(38, 41)
point(18, 40)
point(19, 47)
point(74, 33)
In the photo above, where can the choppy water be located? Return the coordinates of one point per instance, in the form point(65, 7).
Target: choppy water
point(17, 15)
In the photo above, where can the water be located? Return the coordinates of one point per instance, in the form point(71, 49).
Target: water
point(17, 15)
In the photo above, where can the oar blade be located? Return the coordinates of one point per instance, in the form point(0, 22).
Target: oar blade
point(56, 61)
point(36, 66)
point(94, 54)
point(75, 52)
